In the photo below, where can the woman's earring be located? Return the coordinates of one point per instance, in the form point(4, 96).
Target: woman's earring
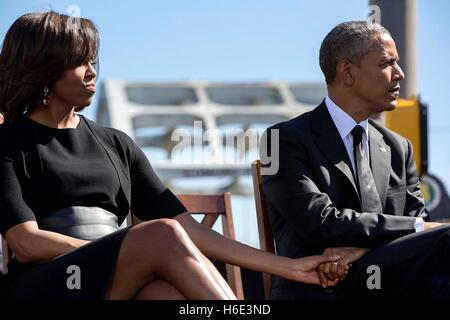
point(45, 100)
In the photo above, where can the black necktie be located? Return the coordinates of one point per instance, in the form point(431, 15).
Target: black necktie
point(370, 200)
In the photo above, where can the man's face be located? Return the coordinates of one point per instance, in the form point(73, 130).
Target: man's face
point(378, 75)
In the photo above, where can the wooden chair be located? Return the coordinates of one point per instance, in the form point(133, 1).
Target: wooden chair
point(7, 255)
point(212, 206)
point(266, 241)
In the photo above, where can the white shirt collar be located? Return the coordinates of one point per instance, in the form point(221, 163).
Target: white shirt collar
point(343, 122)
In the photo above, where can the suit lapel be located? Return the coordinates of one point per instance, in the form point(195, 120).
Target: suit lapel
point(330, 143)
point(380, 162)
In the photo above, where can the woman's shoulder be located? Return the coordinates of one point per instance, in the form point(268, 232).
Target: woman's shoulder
point(108, 131)
point(8, 131)
point(7, 127)
point(115, 138)
point(8, 137)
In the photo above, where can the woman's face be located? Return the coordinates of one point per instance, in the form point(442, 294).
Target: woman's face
point(76, 87)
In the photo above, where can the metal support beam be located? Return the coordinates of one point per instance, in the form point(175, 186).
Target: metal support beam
point(399, 17)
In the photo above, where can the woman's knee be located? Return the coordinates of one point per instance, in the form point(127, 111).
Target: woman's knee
point(162, 233)
point(152, 245)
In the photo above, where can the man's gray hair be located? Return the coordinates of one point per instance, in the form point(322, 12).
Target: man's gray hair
point(349, 40)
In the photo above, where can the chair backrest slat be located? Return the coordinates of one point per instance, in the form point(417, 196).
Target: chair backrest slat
point(266, 241)
point(7, 255)
point(210, 219)
point(203, 203)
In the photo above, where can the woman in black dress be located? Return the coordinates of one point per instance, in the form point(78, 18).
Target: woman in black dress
point(66, 184)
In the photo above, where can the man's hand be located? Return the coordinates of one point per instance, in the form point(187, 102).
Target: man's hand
point(337, 270)
point(306, 269)
point(430, 225)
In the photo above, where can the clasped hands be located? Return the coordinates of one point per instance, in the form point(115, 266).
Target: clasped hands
point(326, 269)
point(330, 273)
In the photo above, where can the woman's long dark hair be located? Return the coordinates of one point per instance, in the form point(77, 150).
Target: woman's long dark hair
point(36, 50)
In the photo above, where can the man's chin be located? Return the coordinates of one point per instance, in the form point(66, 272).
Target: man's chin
point(391, 105)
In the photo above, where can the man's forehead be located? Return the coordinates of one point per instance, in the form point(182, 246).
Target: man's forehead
point(389, 53)
point(385, 47)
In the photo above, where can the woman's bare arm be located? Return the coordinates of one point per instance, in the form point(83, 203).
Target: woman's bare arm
point(218, 247)
point(30, 244)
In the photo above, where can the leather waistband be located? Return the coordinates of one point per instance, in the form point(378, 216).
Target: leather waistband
point(87, 223)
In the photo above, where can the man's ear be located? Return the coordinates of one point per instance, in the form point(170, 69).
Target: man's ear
point(344, 71)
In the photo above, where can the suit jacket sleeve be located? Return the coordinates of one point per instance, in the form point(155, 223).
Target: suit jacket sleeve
point(293, 193)
point(414, 205)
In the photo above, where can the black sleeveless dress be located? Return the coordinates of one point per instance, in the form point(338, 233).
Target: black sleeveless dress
point(66, 168)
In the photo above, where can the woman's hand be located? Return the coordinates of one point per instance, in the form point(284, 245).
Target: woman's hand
point(306, 269)
point(337, 270)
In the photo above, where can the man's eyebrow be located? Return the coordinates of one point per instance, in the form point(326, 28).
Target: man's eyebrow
point(389, 57)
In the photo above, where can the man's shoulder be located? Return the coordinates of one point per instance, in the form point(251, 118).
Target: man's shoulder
point(386, 132)
point(297, 125)
point(392, 138)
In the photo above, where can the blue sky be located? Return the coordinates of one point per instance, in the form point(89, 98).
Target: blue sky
point(237, 40)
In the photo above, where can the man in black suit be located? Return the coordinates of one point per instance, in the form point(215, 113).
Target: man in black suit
point(345, 183)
